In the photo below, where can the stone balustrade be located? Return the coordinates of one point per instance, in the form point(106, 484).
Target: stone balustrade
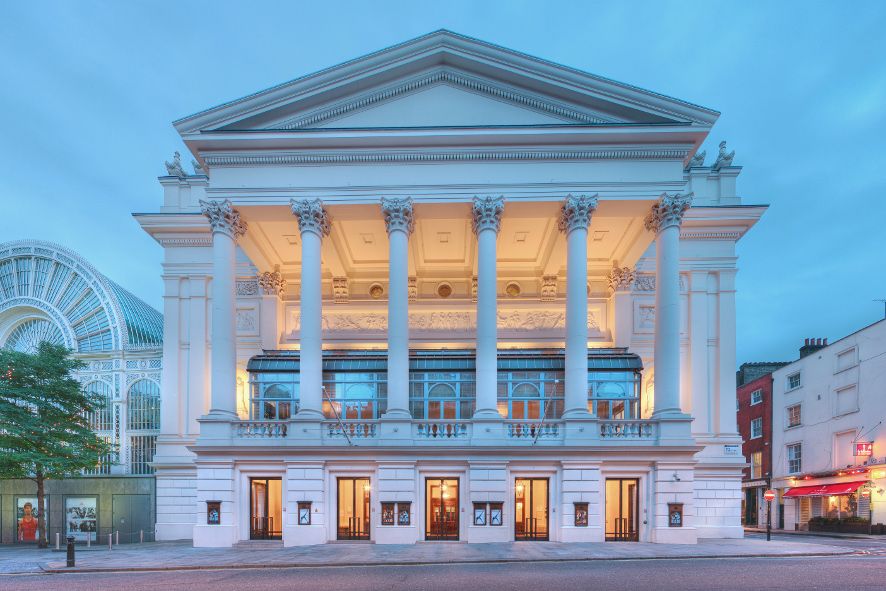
point(621, 430)
point(441, 430)
point(261, 429)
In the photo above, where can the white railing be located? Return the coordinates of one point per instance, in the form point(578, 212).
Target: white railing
point(521, 430)
point(627, 429)
point(441, 430)
point(261, 429)
point(352, 429)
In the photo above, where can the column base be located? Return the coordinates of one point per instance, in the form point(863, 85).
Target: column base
point(308, 414)
point(487, 414)
point(577, 413)
point(397, 414)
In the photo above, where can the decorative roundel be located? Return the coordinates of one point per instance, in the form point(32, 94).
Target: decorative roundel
point(376, 291)
point(444, 290)
point(513, 289)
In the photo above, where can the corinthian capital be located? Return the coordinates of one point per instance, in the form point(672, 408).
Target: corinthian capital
point(223, 217)
point(668, 211)
point(576, 212)
point(312, 217)
point(621, 278)
point(398, 214)
point(487, 213)
point(272, 283)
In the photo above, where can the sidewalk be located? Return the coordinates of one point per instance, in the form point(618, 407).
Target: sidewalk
point(817, 534)
point(182, 556)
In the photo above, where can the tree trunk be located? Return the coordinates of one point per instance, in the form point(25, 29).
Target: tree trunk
point(41, 508)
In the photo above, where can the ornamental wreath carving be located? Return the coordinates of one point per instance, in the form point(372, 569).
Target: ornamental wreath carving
point(223, 218)
point(312, 216)
point(575, 212)
point(398, 214)
point(668, 211)
point(486, 212)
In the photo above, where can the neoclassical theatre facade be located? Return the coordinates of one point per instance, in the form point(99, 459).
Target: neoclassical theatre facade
point(448, 291)
point(50, 293)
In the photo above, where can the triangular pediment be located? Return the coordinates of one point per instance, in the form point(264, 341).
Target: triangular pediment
point(445, 80)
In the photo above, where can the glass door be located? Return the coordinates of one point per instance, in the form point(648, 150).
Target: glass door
point(622, 508)
point(266, 509)
point(441, 515)
point(531, 509)
point(353, 508)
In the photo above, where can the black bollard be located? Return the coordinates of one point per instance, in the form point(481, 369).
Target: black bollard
point(70, 551)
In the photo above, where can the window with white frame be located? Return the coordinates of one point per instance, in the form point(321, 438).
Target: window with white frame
point(795, 458)
point(757, 428)
point(794, 381)
point(756, 397)
point(846, 359)
point(846, 400)
point(756, 465)
point(794, 416)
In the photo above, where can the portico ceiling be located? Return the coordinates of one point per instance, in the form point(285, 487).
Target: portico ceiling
point(443, 245)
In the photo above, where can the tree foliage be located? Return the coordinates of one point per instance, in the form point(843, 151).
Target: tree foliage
point(45, 430)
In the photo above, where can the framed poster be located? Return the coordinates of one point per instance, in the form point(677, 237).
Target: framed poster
point(495, 511)
point(304, 512)
point(387, 513)
point(81, 517)
point(479, 513)
point(404, 513)
point(581, 514)
point(26, 519)
point(213, 512)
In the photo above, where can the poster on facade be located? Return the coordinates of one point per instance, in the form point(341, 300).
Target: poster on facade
point(81, 517)
point(26, 518)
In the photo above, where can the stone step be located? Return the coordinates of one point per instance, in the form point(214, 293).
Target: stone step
point(259, 544)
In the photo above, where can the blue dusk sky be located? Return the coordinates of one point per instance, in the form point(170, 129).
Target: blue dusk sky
point(88, 91)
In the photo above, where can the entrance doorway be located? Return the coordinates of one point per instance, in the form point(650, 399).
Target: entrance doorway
point(750, 506)
point(441, 515)
point(353, 508)
point(622, 508)
point(531, 509)
point(266, 509)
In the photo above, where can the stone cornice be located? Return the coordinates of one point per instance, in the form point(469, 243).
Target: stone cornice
point(312, 216)
point(398, 214)
point(477, 85)
point(486, 213)
point(575, 213)
point(380, 157)
point(709, 235)
point(223, 218)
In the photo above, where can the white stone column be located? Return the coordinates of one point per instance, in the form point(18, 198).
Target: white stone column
point(487, 213)
point(400, 223)
point(575, 218)
point(227, 227)
point(664, 220)
point(313, 224)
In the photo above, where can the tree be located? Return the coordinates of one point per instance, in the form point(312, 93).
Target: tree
point(44, 420)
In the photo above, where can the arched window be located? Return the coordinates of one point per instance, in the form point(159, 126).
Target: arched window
point(144, 406)
point(101, 419)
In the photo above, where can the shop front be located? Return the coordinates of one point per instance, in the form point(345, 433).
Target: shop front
point(841, 507)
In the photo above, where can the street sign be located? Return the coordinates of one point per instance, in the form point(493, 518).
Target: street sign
point(864, 448)
point(769, 495)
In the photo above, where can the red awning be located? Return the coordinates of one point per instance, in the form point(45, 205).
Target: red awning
point(825, 490)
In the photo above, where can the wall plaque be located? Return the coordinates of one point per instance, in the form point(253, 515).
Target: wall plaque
point(675, 514)
point(213, 512)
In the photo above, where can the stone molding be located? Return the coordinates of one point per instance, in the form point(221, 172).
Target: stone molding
point(247, 288)
point(575, 213)
point(272, 283)
point(341, 292)
point(507, 320)
point(398, 214)
point(380, 157)
point(474, 289)
point(312, 216)
point(486, 213)
point(549, 288)
point(668, 211)
point(412, 287)
point(473, 84)
point(223, 218)
point(621, 278)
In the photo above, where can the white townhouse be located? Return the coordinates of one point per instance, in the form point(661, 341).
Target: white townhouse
point(828, 434)
point(448, 291)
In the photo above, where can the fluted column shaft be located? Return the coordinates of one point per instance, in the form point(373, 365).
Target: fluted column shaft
point(226, 228)
point(399, 221)
point(575, 218)
point(665, 220)
point(313, 223)
point(487, 213)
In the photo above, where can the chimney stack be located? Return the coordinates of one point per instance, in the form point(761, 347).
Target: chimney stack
point(812, 345)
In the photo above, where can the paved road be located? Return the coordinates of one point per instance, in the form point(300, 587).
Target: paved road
point(873, 545)
point(759, 574)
